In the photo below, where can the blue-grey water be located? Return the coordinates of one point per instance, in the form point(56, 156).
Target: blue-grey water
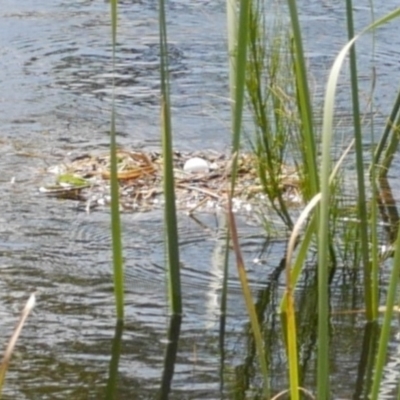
point(55, 100)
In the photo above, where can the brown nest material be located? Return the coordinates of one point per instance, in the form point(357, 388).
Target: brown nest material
point(140, 179)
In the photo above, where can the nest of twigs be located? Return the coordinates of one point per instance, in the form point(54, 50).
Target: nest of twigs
point(87, 178)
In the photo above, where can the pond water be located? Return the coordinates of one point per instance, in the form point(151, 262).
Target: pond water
point(55, 80)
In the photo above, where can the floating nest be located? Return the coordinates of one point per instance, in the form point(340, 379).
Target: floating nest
point(202, 186)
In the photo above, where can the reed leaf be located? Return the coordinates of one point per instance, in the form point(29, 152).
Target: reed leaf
point(387, 322)
point(388, 149)
point(308, 234)
point(238, 61)
point(268, 81)
point(231, 19)
point(362, 203)
point(304, 104)
point(240, 75)
point(287, 305)
point(291, 337)
point(255, 326)
point(323, 235)
point(171, 224)
point(118, 267)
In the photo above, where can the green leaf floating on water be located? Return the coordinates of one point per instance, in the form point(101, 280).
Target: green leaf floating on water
point(71, 180)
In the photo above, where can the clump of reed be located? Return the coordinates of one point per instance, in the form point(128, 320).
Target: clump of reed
point(286, 131)
point(283, 110)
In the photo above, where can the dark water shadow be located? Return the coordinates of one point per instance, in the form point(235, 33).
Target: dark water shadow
point(114, 362)
point(170, 356)
point(245, 375)
point(366, 364)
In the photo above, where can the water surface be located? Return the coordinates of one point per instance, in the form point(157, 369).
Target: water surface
point(56, 82)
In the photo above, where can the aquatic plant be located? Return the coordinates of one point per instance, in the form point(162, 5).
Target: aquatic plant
point(171, 226)
point(322, 195)
point(238, 28)
point(118, 268)
point(324, 213)
point(285, 131)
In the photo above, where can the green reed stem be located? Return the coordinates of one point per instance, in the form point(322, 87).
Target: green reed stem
point(238, 65)
point(118, 268)
point(266, 83)
point(287, 305)
point(304, 103)
point(309, 231)
point(375, 259)
point(172, 243)
point(323, 259)
point(291, 336)
point(232, 26)
point(255, 326)
point(391, 147)
point(391, 124)
point(371, 313)
point(231, 16)
point(240, 74)
point(387, 322)
point(323, 242)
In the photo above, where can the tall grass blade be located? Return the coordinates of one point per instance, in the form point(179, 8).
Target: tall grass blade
point(391, 124)
point(268, 81)
point(171, 230)
point(366, 362)
point(231, 19)
point(288, 302)
point(304, 103)
point(237, 48)
point(118, 267)
point(232, 25)
point(14, 337)
point(255, 326)
point(371, 313)
point(238, 77)
point(291, 338)
point(387, 321)
point(323, 240)
point(240, 74)
point(308, 234)
point(237, 27)
point(287, 305)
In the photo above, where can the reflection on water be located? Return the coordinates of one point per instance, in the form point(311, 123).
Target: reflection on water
point(68, 336)
point(56, 81)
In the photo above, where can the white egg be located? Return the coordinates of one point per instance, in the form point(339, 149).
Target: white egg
point(196, 165)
